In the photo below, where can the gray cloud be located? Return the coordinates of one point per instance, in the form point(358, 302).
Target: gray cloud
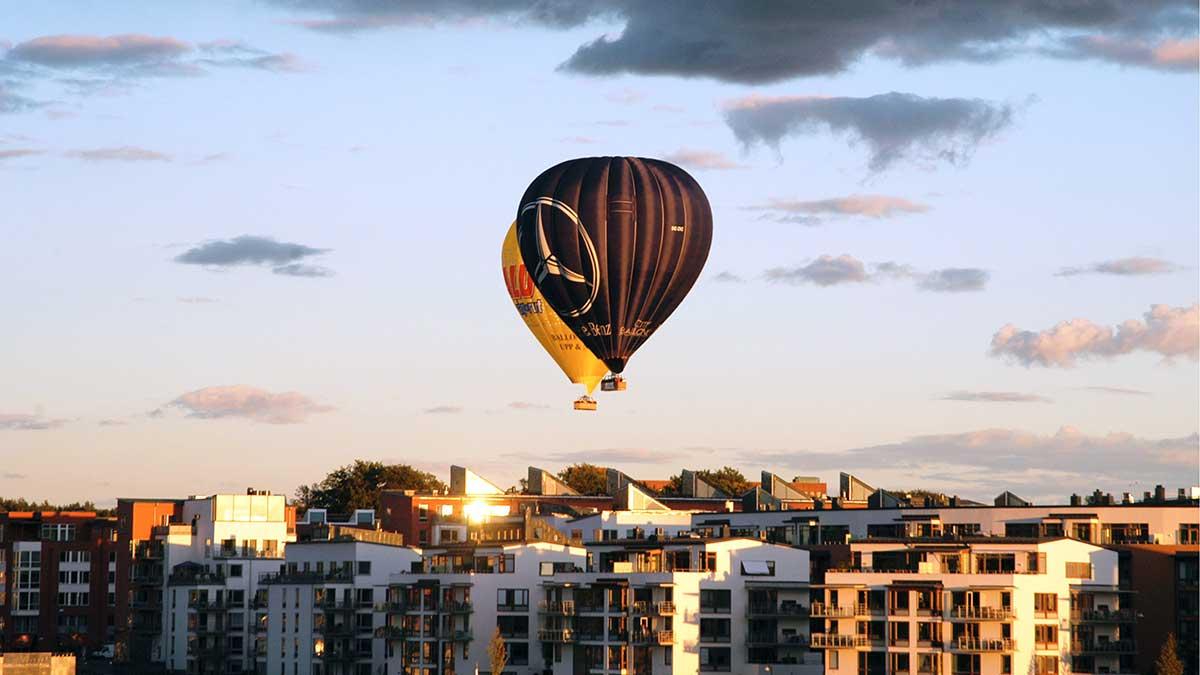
point(1117, 390)
point(702, 160)
point(994, 397)
point(846, 269)
point(768, 42)
point(23, 422)
point(12, 475)
point(1134, 266)
point(283, 257)
point(526, 405)
point(12, 102)
point(1169, 55)
point(126, 153)
point(986, 462)
point(443, 410)
point(246, 402)
point(111, 423)
point(807, 212)
point(728, 278)
point(893, 127)
point(824, 271)
point(14, 153)
point(954, 280)
point(235, 54)
point(1168, 331)
point(299, 270)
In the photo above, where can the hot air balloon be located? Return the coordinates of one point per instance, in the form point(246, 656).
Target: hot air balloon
point(614, 244)
point(576, 360)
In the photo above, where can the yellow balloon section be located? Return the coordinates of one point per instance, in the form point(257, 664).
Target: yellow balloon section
point(576, 360)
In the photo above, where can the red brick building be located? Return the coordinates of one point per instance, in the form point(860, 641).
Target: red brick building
point(58, 581)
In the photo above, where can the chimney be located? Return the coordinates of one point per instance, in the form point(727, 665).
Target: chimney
point(1127, 498)
point(1146, 496)
point(1075, 499)
point(1182, 494)
point(1160, 493)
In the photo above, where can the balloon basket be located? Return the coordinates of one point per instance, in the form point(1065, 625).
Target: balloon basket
point(585, 403)
point(613, 383)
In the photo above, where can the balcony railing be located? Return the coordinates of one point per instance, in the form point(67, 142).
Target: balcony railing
point(783, 609)
point(971, 644)
point(1104, 647)
point(838, 640)
point(1103, 615)
point(982, 613)
point(772, 639)
point(653, 637)
point(554, 607)
point(861, 609)
point(820, 609)
point(664, 608)
point(556, 635)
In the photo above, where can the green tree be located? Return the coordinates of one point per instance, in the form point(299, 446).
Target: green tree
point(726, 479)
point(586, 479)
point(674, 487)
point(357, 486)
point(21, 504)
point(1168, 662)
point(497, 652)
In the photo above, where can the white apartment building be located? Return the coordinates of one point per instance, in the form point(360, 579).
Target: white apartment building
point(213, 562)
point(1036, 607)
point(1170, 524)
point(648, 605)
point(316, 615)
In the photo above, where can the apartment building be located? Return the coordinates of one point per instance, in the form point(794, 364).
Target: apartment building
point(648, 605)
point(58, 581)
point(987, 606)
point(213, 560)
point(317, 614)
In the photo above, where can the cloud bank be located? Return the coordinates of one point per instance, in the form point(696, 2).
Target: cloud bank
point(809, 212)
point(762, 42)
point(1168, 331)
point(22, 422)
point(1125, 267)
point(994, 397)
point(828, 270)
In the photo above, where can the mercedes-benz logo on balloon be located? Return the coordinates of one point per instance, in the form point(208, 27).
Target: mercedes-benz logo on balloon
point(548, 263)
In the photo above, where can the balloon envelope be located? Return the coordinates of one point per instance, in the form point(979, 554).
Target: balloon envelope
point(576, 360)
point(614, 244)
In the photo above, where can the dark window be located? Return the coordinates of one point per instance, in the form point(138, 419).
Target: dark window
point(714, 601)
point(364, 566)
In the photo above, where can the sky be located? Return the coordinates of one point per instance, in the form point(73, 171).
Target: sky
point(954, 248)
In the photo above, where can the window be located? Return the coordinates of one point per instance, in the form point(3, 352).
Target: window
point(1046, 665)
point(714, 601)
point(513, 626)
point(364, 566)
point(235, 570)
point(58, 532)
point(1189, 533)
point(518, 653)
point(1045, 604)
point(1006, 664)
point(364, 596)
point(966, 663)
point(714, 659)
point(758, 568)
point(512, 600)
point(1046, 635)
point(1079, 570)
point(714, 630)
point(423, 513)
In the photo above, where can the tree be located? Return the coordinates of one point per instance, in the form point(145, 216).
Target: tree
point(586, 479)
point(21, 504)
point(674, 487)
point(1168, 662)
point(357, 486)
point(497, 652)
point(727, 479)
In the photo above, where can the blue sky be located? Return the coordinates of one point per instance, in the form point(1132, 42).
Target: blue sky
point(400, 152)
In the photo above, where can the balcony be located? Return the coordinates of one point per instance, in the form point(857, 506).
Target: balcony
point(785, 609)
point(564, 607)
point(664, 608)
point(820, 609)
point(775, 640)
point(838, 641)
point(336, 630)
point(464, 607)
point(391, 632)
point(654, 637)
point(990, 645)
point(1104, 647)
point(562, 635)
point(963, 613)
point(455, 635)
point(861, 609)
point(1103, 616)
